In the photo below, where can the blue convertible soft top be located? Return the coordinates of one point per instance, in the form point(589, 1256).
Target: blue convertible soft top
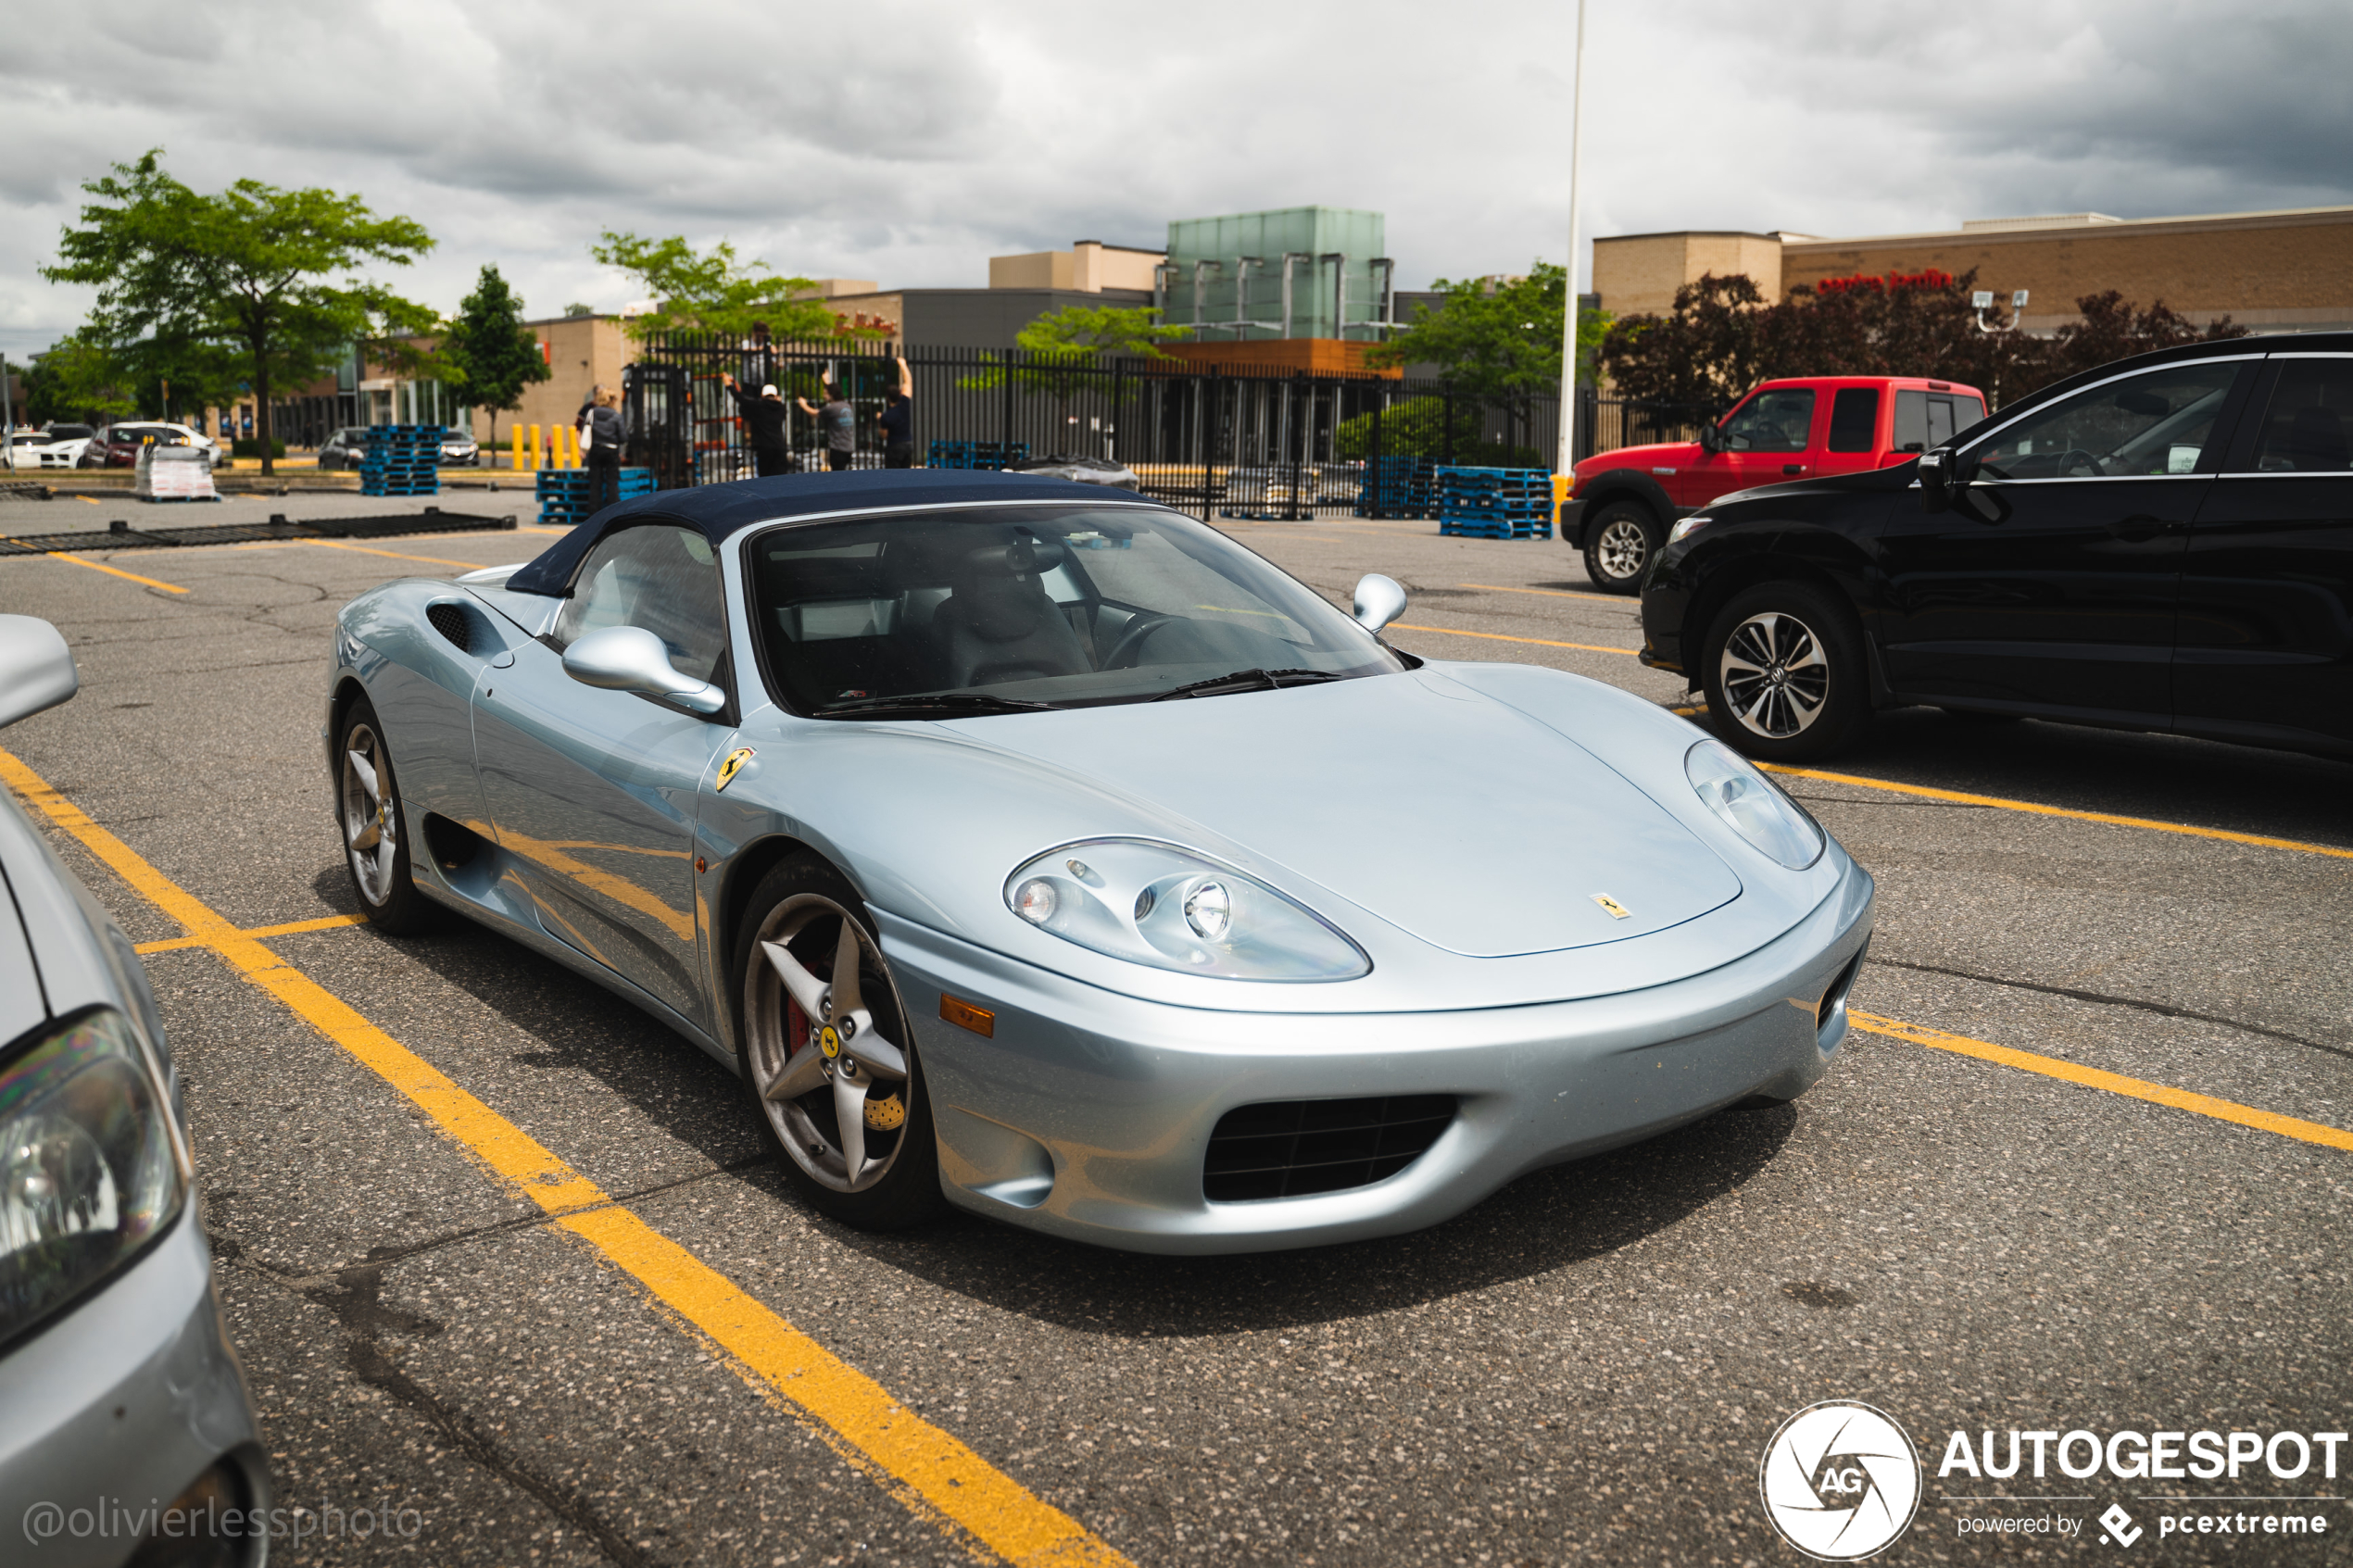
point(720, 509)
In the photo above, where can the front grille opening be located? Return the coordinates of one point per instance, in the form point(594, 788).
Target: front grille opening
point(450, 621)
point(1290, 1148)
point(1836, 994)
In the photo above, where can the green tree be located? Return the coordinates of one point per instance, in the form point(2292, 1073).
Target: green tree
point(1063, 350)
point(714, 292)
point(248, 268)
point(79, 378)
point(1498, 343)
point(490, 355)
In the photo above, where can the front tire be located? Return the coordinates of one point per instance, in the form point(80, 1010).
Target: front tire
point(375, 829)
point(834, 1081)
point(1620, 544)
point(1784, 668)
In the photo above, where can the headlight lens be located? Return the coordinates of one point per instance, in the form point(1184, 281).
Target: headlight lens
point(1688, 527)
point(1156, 904)
point(1751, 805)
point(88, 1170)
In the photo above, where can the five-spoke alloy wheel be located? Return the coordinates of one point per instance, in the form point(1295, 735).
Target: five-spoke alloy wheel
point(828, 1056)
point(1619, 546)
point(374, 841)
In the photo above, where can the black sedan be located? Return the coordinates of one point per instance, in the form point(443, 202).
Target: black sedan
point(2165, 543)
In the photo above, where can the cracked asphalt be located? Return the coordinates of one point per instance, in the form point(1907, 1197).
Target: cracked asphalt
point(1586, 1368)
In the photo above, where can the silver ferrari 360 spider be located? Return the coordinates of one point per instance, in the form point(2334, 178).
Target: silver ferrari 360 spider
point(1034, 848)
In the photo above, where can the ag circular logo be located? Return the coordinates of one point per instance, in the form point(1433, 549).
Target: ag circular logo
point(1840, 1480)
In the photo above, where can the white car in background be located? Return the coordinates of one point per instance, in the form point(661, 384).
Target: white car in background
point(59, 447)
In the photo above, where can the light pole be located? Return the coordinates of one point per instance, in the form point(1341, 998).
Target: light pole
point(1568, 314)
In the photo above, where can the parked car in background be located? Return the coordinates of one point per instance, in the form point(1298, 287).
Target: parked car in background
point(1622, 503)
point(458, 449)
point(59, 446)
point(120, 1389)
point(118, 445)
point(1080, 470)
point(344, 448)
point(2164, 542)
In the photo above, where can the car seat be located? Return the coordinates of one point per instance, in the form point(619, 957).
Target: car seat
point(999, 625)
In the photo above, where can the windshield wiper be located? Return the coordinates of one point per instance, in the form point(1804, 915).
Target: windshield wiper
point(955, 704)
point(1248, 681)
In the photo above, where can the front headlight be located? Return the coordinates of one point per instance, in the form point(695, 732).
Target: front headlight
point(89, 1171)
point(1688, 527)
point(1156, 904)
point(1751, 805)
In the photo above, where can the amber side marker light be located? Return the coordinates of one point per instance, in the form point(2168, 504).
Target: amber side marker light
point(963, 1015)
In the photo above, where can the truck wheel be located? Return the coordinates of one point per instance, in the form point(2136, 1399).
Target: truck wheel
point(1620, 543)
point(1784, 668)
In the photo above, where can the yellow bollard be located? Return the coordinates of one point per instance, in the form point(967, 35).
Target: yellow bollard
point(535, 448)
point(514, 434)
point(571, 440)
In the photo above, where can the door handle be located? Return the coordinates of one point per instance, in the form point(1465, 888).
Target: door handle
point(2140, 530)
point(1793, 468)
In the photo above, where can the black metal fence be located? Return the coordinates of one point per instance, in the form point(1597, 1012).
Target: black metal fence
point(1210, 441)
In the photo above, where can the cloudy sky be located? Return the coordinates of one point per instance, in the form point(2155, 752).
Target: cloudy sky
point(907, 141)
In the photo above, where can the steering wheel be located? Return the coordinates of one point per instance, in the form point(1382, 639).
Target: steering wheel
point(1131, 641)
point(2076, 463)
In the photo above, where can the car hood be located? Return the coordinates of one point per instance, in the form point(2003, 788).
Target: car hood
point(1452, 815)
point(1676, 453)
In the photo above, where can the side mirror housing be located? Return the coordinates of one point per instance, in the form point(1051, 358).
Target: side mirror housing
point(1936, 480)
point(1379, 600)
point(36, 668)
point(630, 659)
point(1711, 438)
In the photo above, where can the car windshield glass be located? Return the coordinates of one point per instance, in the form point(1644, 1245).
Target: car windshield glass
point(2156, 423)
point(1068, 605)
point(70, 433)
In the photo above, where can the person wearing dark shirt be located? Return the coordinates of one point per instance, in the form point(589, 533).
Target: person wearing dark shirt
point(838, 423)
point(898, 419)
point(601, 435)
point(763, 420)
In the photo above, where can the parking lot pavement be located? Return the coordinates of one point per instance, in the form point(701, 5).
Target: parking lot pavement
point(1587, 1367)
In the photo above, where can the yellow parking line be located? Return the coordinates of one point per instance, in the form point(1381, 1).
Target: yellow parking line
point(91, 500)
point(396, 555)
point(926, 1468)
point(2035, 807)
point(295, 928)
point(1553, 593)
point(2114, 1082)
point(110, 570)
point(1499, 637)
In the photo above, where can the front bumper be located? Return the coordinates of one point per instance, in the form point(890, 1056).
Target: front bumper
point(115, 1408)
point(1088, 1114)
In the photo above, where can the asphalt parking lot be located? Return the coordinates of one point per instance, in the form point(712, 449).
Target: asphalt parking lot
point(2136, 1219)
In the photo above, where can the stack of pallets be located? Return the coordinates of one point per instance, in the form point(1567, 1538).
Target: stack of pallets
point(975, 455)
point(401, 460)
point(1495, 503)
point(1397, 487)
point(566, 495)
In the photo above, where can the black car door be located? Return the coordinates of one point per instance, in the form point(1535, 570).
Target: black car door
point(2050, 583)
point(2264, 650)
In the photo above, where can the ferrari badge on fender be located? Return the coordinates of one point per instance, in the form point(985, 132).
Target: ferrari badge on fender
point(734, 765)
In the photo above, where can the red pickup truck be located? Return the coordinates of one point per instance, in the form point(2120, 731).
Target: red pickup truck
point(1621, 503)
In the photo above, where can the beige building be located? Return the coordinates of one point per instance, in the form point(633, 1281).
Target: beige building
point(1088, 267)
point(2274, 271)
point(583, 352)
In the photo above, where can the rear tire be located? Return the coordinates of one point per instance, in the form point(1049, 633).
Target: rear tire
point(801, 906)
point(375, 828)
point(1620, 543)
point(1785, 671)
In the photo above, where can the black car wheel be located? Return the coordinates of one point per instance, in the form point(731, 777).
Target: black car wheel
point(1783, 666)
point(1620, 543)
point(827, 1055)
point(375, 835)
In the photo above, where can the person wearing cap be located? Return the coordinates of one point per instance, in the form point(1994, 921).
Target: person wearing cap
point(763, 420)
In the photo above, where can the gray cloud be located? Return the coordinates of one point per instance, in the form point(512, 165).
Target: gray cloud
point(909, 140)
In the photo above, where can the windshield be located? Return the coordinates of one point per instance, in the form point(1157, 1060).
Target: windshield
point(1009, 606)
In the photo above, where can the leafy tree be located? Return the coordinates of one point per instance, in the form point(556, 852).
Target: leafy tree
point(1063, 350)
point(1498, 343)
point(1426, 427)
point(490, 355)
point(247, 269)
point(79, 378)
point(575, 310)
point(714, 292)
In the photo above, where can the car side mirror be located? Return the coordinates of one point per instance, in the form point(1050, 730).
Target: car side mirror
point(630, 659)
point(1711, 438)
point(1936, 480)
point(36, 668)
point(1379, 600)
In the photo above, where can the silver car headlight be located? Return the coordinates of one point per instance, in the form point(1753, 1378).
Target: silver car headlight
point(90, 1171)
point(1688, 527)
point(1156, 904)
point(1753, 805)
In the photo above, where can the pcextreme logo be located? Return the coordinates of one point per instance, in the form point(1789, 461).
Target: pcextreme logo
point(1840, 1480)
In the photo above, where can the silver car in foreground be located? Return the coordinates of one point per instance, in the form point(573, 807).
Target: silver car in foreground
point(127, 1427)
point(1038, 848)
